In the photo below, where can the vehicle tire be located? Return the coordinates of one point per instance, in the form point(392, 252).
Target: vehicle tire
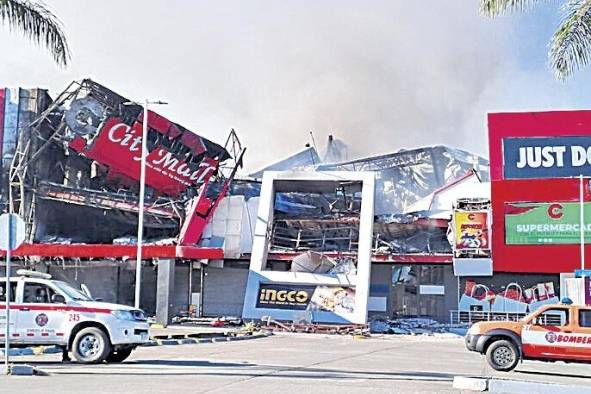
point(119, 355)
point(502, 355)
point(91, 346)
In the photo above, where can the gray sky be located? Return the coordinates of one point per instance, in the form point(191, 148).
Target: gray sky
point(382, 75)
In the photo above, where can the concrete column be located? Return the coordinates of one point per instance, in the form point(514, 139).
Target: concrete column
point(164, 292)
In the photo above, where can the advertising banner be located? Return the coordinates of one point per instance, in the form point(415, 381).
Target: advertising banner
point(276, 296)
point(301, 297)
point(118, 146)
point(511, 297)
point(471, 230)
point(546, 157)
point(545, 223)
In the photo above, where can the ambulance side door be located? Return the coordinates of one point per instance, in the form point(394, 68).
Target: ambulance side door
point(540, 336)
point(13, 314)
point(583, 348)
point(40, 320)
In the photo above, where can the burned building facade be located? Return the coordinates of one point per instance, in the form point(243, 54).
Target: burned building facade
point(71, 169)
point(79, 157)
point(316, 230)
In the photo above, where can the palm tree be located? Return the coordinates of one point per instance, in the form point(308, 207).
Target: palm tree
point(570, 47)
point(37, 23)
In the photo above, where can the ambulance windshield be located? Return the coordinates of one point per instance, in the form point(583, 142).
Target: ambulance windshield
point(71, 292)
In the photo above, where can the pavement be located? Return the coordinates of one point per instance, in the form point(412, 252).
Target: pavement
point(171, 335)
point(287, 363)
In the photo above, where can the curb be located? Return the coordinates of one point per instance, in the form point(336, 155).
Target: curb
point(494, 385)
point(33, 351)
point(193, 341)
point(516, 386)
point(473, 384)
point(39, 350)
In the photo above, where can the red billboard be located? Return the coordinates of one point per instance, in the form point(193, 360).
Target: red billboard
point(118, 146)
point(535, 157)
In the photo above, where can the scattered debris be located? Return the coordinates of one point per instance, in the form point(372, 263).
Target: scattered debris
point(313, 262)
point(220, 321)
point(340, 329)
point(410, 326)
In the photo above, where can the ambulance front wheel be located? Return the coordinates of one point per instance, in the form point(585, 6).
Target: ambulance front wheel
point(502, 355)
point(91, 345)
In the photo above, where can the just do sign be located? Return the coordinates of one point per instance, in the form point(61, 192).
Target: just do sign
point(547, 157)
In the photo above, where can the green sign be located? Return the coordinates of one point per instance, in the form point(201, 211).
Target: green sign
point(546, 223)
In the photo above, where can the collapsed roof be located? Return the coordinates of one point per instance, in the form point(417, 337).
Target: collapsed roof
point(79, 157)
point(414, 190)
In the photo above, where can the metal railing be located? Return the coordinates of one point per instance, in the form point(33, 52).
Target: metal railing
point(462, 317)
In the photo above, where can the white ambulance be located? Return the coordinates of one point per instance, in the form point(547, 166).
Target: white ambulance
point(51, 312)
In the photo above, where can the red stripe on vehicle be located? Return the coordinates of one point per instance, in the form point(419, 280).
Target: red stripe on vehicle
point(60, 308)
point(60, 334)
point(44, 334)
point(16, 335)
point(30, 334)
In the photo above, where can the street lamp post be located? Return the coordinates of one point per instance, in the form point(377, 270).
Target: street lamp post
point(140, 223)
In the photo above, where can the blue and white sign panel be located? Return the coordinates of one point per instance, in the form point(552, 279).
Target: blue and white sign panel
point(12, 231)
point(546, 157)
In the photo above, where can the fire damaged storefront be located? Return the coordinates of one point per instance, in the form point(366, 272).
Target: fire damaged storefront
point(540, 216)
point(342, 240)
point(79, 157)
point(71, 170)
point(315, 232)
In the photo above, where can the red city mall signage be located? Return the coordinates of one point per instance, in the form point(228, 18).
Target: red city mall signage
point(118, 146)
point(536, 157)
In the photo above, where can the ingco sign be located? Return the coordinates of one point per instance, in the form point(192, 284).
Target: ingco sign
point(284, 296)
point(268, 295)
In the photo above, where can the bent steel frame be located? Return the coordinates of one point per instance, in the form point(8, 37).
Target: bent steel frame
point(260, 278)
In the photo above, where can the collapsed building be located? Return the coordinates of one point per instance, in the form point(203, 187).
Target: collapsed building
point(70, 168)
point(316, 229)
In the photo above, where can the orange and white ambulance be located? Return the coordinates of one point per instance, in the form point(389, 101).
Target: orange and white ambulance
point(44, 311)
point(560, 332)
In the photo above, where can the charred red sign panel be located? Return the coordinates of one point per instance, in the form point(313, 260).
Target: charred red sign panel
point(117, 145)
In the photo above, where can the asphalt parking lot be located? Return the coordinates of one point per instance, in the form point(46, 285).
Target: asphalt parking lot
point(286, 363)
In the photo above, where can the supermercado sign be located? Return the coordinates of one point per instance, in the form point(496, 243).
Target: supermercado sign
point(546, 157)
point(545, 223)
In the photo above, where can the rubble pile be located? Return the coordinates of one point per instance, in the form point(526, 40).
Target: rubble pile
point(410, 326)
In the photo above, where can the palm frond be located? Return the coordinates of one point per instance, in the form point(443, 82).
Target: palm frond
point(494, 8)
point(37, 23)
point(570, 47)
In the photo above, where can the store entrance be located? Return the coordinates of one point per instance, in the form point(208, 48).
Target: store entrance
point(418, 291)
